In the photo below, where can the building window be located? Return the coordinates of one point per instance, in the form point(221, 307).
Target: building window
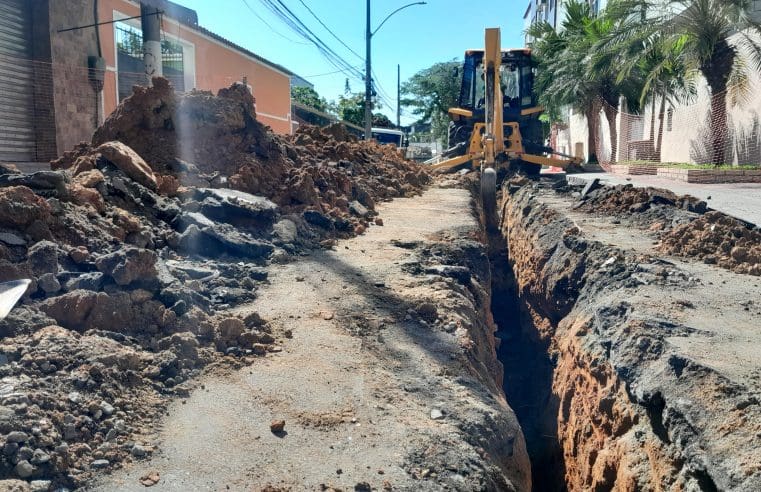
point(129, 52)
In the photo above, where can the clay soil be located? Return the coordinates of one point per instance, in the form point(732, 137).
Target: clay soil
point(647, 322)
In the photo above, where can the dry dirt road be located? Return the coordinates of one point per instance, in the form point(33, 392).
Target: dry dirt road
point(372, 397)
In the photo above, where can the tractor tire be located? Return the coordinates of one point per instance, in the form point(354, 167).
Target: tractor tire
point(489, 197)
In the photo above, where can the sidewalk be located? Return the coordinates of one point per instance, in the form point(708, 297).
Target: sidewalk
point(741, 200)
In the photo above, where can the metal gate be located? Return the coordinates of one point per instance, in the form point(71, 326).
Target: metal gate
point(17, 140)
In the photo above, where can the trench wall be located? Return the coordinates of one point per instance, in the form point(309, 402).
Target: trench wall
point(621, 412)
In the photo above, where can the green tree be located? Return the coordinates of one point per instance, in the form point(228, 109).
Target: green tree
point(662, 76)
point(574, 72)
point(717, 38)
point(309, 97)
point(380, 120)
point(431, 92)
point(351, 108)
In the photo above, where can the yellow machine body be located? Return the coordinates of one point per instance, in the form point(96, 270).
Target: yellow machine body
point(495, 141)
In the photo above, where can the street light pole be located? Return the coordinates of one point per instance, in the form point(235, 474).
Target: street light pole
point(368, 79)
point(369, 33)
point(398, 96)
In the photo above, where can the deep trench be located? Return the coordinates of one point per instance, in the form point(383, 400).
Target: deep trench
point(528, 371)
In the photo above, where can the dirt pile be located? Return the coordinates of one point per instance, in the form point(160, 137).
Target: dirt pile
point(204, 140)
point(137, 245)
point(717, 239)
point(684, 225)
point(623, 199)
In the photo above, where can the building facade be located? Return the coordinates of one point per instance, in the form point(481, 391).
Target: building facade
point(53, 93)
point(682, 127)
point(552, 12)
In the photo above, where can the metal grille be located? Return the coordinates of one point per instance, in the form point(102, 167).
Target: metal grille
point(129, 44)
point(17, 139)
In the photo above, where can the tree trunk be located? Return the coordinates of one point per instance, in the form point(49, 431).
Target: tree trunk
point(652, 119)
point(716, 70)
point(610, 115)
point(661, 116)
point(592, 115)
point(719, 127)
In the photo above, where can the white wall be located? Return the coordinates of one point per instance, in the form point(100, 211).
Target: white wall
point(687, 130)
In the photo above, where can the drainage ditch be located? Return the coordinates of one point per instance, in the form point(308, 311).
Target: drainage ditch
point(528, 371)
point(595, 367)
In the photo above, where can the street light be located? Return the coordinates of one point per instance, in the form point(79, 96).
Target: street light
point(368, 66)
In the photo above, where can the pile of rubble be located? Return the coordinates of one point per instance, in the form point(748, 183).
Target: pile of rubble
point(136, 246)
point(717, 239)
point(684, 223)
point(626, 199)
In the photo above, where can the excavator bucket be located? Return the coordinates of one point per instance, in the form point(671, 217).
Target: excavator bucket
point(10, 293)
point(493, 139)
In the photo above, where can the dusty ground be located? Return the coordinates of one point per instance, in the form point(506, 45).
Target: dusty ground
point(389, 380)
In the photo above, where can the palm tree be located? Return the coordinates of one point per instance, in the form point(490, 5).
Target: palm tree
point(659, 72)
point(572, 72)
point(712, 37)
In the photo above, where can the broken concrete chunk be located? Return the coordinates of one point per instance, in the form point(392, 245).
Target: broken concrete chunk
point(230, 205)
point(590, 186)
point(222, 239)
point(129, 162)
point(12, 239)
point(46, 183)
point(358, 209)
point(43, 257)
point(285, 230)
point(129, 265)
point(49, 283)
point(85, 281)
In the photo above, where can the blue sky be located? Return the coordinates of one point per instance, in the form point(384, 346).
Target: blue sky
point(415, 38)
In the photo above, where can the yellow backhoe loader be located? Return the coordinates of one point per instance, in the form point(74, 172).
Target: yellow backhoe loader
point(496, 123)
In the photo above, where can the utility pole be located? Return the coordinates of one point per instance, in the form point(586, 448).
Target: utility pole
point(368, 79)
point(398, 97)
point(151, 25)
point(369, 33)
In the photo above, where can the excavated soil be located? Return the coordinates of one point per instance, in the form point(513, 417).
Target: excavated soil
point(626, 320)
point(717, 239)
point(389, 382)
point(647, 375)
point(139, 246)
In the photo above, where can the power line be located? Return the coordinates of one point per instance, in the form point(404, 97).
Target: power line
point(324, 45)
point(381, 91)
point(280, 10)
point(322, 74)
point(268, 25)
point(331, 32)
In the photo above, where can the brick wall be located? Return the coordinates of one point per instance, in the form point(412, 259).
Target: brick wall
point(74, 98)
point(711, 175)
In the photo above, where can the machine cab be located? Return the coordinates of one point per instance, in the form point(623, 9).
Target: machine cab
point(516, 79)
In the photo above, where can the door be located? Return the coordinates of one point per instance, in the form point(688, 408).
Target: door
point(17, 140)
